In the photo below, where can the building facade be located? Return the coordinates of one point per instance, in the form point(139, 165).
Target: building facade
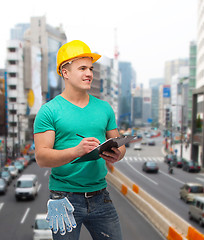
point(154, 85)
point(197, 123)
point(125, 98)
point(192, 78)
point(31, 76)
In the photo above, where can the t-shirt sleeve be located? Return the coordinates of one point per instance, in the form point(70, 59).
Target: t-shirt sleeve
point(44, 120)
point(111, 122)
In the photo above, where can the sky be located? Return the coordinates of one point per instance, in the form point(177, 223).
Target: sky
point(149, 32)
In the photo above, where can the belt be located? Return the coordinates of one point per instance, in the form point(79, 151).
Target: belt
point(86, 194)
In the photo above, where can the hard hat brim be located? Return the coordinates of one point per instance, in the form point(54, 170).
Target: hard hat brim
point(94, 57)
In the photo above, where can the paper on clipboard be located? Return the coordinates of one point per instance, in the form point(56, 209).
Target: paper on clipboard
point(106, 146)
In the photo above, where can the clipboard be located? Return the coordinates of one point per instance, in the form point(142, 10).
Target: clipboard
point(106, 146)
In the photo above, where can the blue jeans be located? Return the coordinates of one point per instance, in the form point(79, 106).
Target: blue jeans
point(98, 215)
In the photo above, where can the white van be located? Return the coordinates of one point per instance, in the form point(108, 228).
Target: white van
point(26, 187)
point(196, 210)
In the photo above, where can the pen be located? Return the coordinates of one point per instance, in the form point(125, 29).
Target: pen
point(80, 136)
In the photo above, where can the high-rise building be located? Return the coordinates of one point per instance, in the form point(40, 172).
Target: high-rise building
point(179, 97)
point(172, 68)
point(147, 104)
point(126, 71)
point(154, 85)
point(197, 123)
point(137, 106)
point(2, 104)
point(164, 106)
point(192, 78)
point(109, 82)
point(31, 75)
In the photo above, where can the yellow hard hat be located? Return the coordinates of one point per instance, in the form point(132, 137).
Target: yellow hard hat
point(72, 50)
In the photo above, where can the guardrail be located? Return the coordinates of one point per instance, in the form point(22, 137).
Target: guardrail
point(172, 226)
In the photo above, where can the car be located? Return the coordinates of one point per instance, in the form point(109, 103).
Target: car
point(7, 176)
point(19, 165)
point(137, 146)
point(144, 141)
point(178, 162)
point(151, 142)
point(41, 228)
point(28, 158)
point(139, 135)
point(3, 186)
point(191, 166)
point(26, 187)
point(196, 210)
point(23, 160)
point(190, 190)
point(168, 158)
point(150, 166)
point(13, 171)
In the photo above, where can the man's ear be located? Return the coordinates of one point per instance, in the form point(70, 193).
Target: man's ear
point(64, 73)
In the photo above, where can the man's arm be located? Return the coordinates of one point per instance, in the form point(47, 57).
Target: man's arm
point(118, 152)
point(46, 156)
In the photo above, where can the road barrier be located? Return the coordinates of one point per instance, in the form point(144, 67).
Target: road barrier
point(172, 226)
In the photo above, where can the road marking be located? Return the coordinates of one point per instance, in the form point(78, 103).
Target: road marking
point(201, 179)
point(142, 174)
point(45, 174)
point(137, 158)
point(1, 205)
point(25, 215)
point(39, 187)
point(171, 177)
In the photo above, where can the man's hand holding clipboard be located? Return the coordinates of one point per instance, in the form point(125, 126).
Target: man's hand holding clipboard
point(104, 147)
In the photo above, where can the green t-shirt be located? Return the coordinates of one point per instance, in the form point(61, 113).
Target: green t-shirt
point(67, 120)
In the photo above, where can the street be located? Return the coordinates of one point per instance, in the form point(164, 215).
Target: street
point(163, 186)
point(17, 218)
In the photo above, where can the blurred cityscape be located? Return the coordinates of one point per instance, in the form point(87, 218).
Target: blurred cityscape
point(173, 104)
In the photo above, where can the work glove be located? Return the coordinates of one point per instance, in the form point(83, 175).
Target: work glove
point(60, 215)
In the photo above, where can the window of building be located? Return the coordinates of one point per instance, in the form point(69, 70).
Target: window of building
point(12, 99)
point(12, 62)
point(13, 135)
point(12, 74)
point(13, 124)
point(12, 87)
point(12, 111)
point(12, 49)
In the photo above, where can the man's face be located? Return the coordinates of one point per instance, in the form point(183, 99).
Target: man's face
point(80, 74)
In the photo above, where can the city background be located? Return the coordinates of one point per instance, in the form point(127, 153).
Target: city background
point(172, 103)
point(166, 113)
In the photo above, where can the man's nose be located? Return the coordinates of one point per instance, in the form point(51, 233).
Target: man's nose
point(89, 72)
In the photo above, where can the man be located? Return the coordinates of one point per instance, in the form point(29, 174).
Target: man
point(78, 190)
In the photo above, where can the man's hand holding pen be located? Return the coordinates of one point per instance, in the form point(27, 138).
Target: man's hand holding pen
point(86, 145)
